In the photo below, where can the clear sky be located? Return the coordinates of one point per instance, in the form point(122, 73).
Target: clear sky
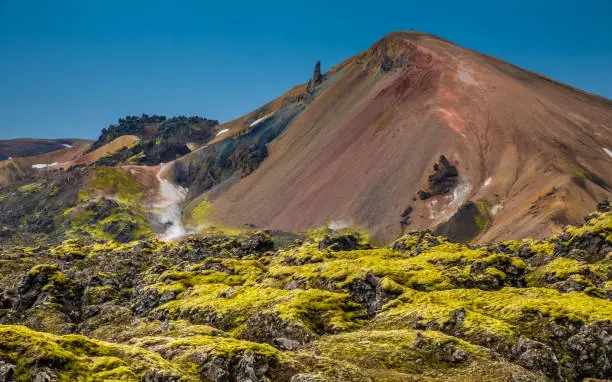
point(68, 68)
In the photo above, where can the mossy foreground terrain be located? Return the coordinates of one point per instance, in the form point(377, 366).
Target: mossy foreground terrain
point(328, 307)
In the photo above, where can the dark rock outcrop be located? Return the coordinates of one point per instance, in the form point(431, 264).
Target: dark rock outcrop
point(46, 284)
point(340, 243)
point(405, 218)
point(464, 225)
point(122, 230)
point(41, 222)
point(270, 328)
point(7, 372)
point(537, 356)
point(243, 366)
point(162, 140)
point(444, 178)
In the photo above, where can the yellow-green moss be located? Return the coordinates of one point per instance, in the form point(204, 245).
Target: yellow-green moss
point(31, 188)
point(322, 311)
point(78, 357)
point(600, 224)
point(117, 182)
point(84, 225)
point(201, 212)
point(84, 196)
point(509, 307)
point(561, 269)
point(412, 352)
point(433, 269)
point(69, 248)
point(482, 218)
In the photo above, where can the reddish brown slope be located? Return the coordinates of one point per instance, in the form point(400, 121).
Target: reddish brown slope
point(528, 149)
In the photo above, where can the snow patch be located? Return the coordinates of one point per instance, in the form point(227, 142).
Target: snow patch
point(66, 145)
point(336, 225)
point(487, 182)
point(44, 165)
point(260, 120)
point(609, 152)
point(465, 76)
point(222, 132)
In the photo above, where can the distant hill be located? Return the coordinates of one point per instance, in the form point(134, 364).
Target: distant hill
point(25, 147)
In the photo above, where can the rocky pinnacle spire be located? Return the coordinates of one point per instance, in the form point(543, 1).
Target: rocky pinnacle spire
point(316, 76)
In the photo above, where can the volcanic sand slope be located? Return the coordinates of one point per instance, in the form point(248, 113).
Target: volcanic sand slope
point(109, 148)
point(530, 152)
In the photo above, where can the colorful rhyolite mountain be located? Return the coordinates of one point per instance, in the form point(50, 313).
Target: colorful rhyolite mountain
point(524, 155)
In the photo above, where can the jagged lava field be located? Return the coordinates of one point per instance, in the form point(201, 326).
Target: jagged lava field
point(418, 212)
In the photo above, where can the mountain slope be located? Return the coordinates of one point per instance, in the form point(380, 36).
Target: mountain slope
point(531, 154)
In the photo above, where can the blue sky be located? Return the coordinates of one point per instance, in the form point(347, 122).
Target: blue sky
point(68, 68)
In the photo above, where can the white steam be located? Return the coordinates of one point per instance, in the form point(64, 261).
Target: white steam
point(496, 208)
point(460, 194)
point(170, 208)
point(336, 225)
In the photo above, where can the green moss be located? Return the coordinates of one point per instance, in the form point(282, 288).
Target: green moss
point(101, 294)
point(500, 313)
point(543, 248)
point(31, 188)
point(54, 190)
point(201, 212)
point(322, 311)
point(117, 182)
point(435, 268)
point(137, 158)
point(43, 268)
point(600, 224)
point(512, 245)
point(483, 217)
point(69, 248)
point(125, 219)
point(579, 171)
point(186, 350)
point(235, 294)
point(77, 357)
point(230, 312)
point(395, 355)
point(84, 196)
